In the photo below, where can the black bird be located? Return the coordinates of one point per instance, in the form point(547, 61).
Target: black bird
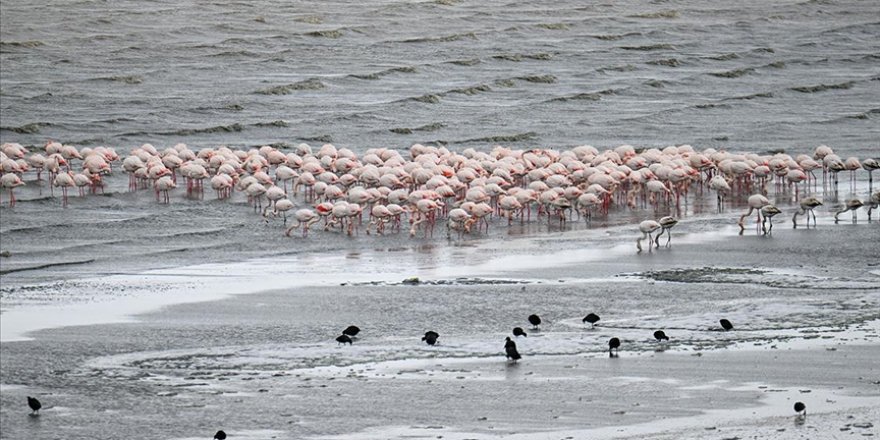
point(659, 335)
point(431, 337)
point(510, 348)
point(518, 331)
point(343, 339)
point(351, 330)
point(592, 318)
point(34, 404)
point(800, 407)
point(535, 320)
point(220, 435)
point(613, 344)
point(726, 324)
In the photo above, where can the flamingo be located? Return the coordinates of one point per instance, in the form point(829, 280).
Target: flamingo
point(65, 181)
point(305, 218)
point(163, 185)
point(769, 211)
point(870, 165)
point(807, 206)
point(851, 205)
point(647, 228)
point(667, 223)
point(756, 202)
point(873, 203)
point(10, 181)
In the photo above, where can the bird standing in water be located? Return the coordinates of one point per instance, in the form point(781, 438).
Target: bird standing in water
point(343, 339)
point(659, 335)
point(430, 337)
point(613, 344)
point(769, 211)
point(666, 225)
point(351, 330)
point(535, 320)
point(647, 228)
point(592, 318)
point(807, 206)
point(510, 349)
point(726, 325)
point(34, 404)
point(518, 331)
point(799, 408)
point(220, 435)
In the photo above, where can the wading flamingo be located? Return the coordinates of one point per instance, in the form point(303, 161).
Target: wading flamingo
point(647, 228)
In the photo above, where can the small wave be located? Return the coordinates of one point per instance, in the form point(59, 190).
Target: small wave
point(519, 137)
point(471, 62)
point(330, 33)
point(668, 62)
point(659, 14)
point(553, 26)
point(542, 79)
point(425, 128)
point(232, 128)
point(824, 87)
point(312, 19)
point(777, 65)
point(615, 37)
point(650, 47)
point(725, 57)
point(754, 96)
point(472, 90)
point(427, 99)
point(324, 138)
point(278, 123)
point(377, 75)
point(32, 128)
point(764, 50)
point(448, 2)
point(623, 68)
point(442, 39)
point(126, 79)
point(657, 83)
point(865, 115)
point(736, 73)
point(711, 105)
point(593, 96)
point(309, 84)
point(519, 57)
point(28, 44)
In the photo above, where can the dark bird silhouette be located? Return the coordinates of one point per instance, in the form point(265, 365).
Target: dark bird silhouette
point(659, 335)
point(592, 318)
point(343, 339)
point(535, 320)
point(510, 348)
point(34, 404)
point(220, 435)
point(351, 330)
point(518, 331)
point(431, 337)
point(726, 324)
point(613, 344)
point(800, 407)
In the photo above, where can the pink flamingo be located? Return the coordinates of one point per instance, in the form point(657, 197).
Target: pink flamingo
point(647, 228)
point(305, 218)
point(756, 202)
point(807, 206)
point(65, 181)
point(10, 181)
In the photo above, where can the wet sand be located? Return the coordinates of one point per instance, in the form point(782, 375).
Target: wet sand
point(248, 347)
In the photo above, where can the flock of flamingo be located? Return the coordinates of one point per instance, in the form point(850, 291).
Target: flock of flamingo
point(463, 189)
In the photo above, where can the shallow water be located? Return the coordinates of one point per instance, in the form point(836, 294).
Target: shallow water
point(388, 74)
point(129, 318)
